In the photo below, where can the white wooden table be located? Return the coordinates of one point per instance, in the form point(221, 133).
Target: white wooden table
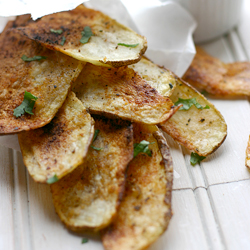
point(210, 202)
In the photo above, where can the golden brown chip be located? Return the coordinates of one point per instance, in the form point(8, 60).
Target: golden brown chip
point(102, 48)
point(59, 147)
point(217, 78)
point(88, 197)
point(121, 92)
point(145, 210)
point(48, 79)
point(199, 130)
point(248, 154)
point(163, 80)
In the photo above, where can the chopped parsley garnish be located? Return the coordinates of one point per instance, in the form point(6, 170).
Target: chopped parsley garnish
point(63, 41)
point(34, 58)
point(85, 240)
point(188, 103)
point(52, 179)
point(26, 106)
point(86, 34)
point(195, 158)
point(128, 45)
point(170, 85)
point(142, 147)
point(94, 138)
point(60, 31)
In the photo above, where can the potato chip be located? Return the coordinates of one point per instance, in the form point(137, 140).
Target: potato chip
point(59, 147)
point(88, 35)
point(145, 210)
point(48, 79)
point(163, 80)
point(199, 130)
point(121, 92)
point(248, 154)
point(209, 74)
point(88, 197)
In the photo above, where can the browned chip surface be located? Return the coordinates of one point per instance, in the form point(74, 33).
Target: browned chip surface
point(60, 146)
point(48, 79)
point(101, 49)
point(88, 197)
point(218, 78)
point(121, 92)
point(145, 210)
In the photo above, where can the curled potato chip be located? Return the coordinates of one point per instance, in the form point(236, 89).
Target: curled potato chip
point(207, 73)
point(48, 79)
point(121, 92)
point(199, 130)
point(59, 147)
point(145, 210)
point(111, 43)
point(88, 197)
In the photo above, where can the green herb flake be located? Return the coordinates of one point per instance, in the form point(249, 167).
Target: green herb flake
point(63, 41)
point(86, 34)
point(34, 58)
point(60, 31)
point(188, 103)
point(53, 179)
point(142, 147)
point(195, 158)
point(26, 106)
point(129, 45)
point(170, 85)
point(85, 240)
point(94, 138)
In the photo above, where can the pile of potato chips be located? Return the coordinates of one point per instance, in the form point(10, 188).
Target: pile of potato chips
point(89, 111)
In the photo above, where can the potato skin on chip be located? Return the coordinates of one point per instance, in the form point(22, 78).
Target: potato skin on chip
point(145, 210)
point(121, 92)
point(87, 198)
point(60, 146)
point(48, 79)
point(217, 78)
point(102, 48)
point(199, 130)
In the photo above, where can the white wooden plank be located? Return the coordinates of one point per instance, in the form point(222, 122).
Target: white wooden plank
point(232, 204)
point(181, 176)
point(236, 46)
point(21, 212)
point(244, 26)
point(209, 224)
point(6, 204)
point(185, 231)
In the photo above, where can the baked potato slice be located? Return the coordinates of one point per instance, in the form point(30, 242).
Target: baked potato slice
point(111, 43)
point(248, 154)
point(48, 79)
point(122, 93)
point(145, 210)
point(59, 147)
point(87, 198)
point(199, 130)
point(207, 73)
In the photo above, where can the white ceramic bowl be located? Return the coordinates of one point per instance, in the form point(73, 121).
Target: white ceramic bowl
point(214, 17)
